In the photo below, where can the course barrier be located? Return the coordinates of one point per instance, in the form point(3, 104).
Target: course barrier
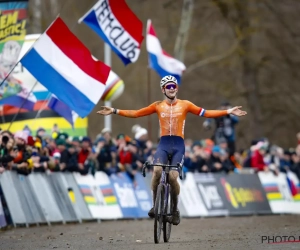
point(46, 198)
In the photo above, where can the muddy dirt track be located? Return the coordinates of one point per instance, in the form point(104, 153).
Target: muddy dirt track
point(234, 233)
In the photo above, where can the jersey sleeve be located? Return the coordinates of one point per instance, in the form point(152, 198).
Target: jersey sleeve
point(192, 108)
point(138, 113)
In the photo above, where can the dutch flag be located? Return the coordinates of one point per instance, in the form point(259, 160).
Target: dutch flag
point(159, 60)
point(60, 62)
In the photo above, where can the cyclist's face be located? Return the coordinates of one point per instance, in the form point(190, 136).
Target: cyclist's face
point(170, 89)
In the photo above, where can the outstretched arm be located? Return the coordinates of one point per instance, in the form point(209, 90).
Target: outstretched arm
point(129, 113)
point(215, 113)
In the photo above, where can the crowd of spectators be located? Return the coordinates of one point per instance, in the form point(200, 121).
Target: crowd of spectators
point(26, 153)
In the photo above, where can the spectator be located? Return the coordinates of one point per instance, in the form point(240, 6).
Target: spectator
point(257, 158)
point(141, 138)
point(106, 134)
point(197, 162)
point(7, 153)
point(39, 162)
point(104, 155)
point(84, 152)
point(136, 162)
point(295, 166)
point(224, 128)
point(64, 154)
point(54, 165)
point(188, 143)
point(22, 159)
point(285, 161)
point(217, 161)
point(40, 133)
point(27, 129)
point(76, 143)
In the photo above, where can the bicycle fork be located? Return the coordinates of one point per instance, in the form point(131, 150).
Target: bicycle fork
point(166, 187)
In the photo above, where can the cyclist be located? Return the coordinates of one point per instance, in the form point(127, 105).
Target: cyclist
point(171, 114)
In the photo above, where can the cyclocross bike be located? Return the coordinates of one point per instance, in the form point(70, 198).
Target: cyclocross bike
point(163, 203)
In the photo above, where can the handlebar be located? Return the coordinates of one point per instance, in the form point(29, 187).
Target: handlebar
point(148, 164)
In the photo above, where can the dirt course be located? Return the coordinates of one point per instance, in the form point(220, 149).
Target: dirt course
point(234, 233)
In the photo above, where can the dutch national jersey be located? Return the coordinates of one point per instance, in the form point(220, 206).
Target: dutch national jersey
point(172, 116)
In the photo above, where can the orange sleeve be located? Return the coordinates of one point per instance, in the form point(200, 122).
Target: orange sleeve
point(138, 113)
point(205, 113)
point(215, 113)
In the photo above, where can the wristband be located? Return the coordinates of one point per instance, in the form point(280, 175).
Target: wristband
point(115, 111)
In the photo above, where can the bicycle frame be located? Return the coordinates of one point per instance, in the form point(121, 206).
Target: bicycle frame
point(163, 186)
point(164, 179)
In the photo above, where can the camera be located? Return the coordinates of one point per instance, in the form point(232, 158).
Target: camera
point(5, 140)
point(5, 156)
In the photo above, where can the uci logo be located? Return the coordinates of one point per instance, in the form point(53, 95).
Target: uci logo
point(163, 115)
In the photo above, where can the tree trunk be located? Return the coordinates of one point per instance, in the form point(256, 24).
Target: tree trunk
point(250, 70)
point(185, 23)
point(36, 15)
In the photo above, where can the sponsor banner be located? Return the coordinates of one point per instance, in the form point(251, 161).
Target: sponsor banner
point(127, 199)
point(243, 193)
point(75, 196)
point(181, 207)
point(190, 197)
point(99, 195)
point(143, 196)
point(294, 185)
point(278, 193)
point(107, 197)
point(210, 194)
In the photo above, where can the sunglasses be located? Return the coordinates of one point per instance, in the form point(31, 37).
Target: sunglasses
point(169, 86)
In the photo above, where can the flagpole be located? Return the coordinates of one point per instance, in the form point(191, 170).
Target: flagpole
point(149, 101)
point(15, 116)
point(107, 61)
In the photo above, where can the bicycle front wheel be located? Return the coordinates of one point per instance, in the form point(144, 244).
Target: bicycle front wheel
point(158, 211)
point(168, 212)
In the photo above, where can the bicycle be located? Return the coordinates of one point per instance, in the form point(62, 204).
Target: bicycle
point(162, 206)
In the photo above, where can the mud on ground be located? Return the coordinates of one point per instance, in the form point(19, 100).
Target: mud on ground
point(233, 233)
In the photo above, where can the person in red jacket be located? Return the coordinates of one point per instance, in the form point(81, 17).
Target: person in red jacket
point(257, 158)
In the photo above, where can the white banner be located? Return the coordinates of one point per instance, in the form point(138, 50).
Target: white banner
point(99, 196)
point(190, 197)
point(278, 193)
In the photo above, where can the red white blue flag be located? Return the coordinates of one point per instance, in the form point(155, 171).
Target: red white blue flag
point(118, 26)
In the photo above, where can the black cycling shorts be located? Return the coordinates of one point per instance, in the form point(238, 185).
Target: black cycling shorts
point(170, 145)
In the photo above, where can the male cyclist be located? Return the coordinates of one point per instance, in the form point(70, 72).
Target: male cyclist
point(171, 114)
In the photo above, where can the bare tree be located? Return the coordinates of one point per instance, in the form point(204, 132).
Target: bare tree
point(238, 16)
point(35, 9)
point(183, 32)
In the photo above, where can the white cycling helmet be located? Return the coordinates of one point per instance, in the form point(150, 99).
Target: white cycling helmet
point(167, 79)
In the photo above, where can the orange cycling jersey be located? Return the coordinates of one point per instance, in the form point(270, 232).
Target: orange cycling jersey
point(172, 116)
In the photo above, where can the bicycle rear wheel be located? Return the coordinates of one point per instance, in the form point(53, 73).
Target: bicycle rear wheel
point(168, 212)
point(158, 211)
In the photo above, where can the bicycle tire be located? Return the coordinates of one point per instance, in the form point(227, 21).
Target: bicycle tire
point(158, 211)
point(166, 225)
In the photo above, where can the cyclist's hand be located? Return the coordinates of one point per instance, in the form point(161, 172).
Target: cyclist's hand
point(236, 111)
point(105, 110)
